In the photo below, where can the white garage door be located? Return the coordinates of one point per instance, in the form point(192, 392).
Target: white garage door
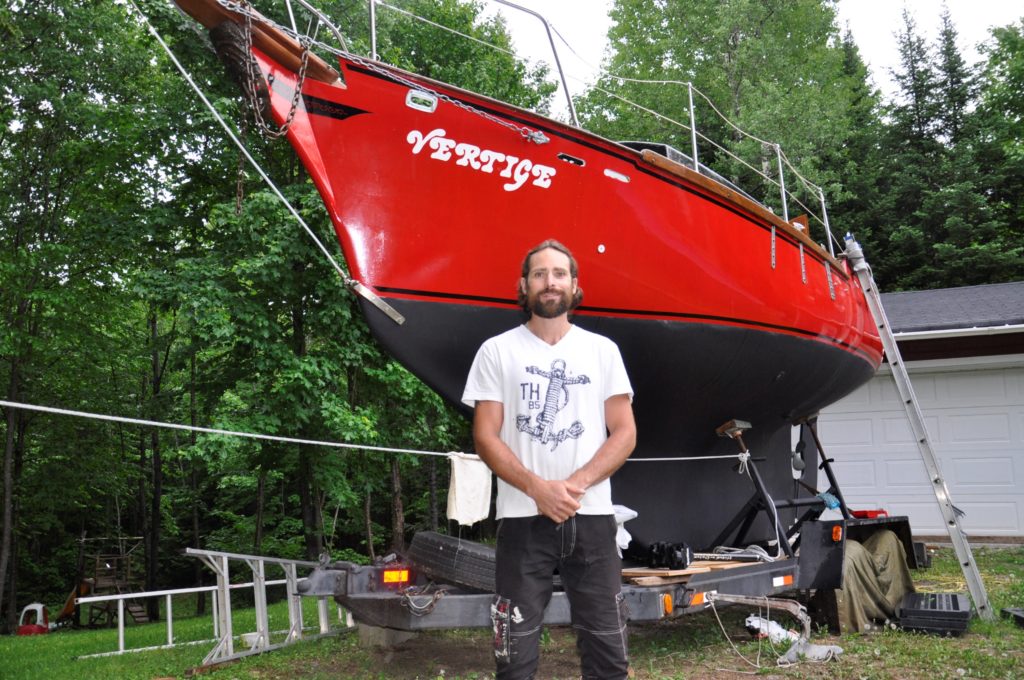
point(974, 411)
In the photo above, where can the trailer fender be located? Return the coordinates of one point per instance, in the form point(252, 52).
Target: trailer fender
point(822, 550)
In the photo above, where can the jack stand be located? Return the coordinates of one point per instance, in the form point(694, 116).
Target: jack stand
point(814, 513)
point(826, 465)
point(761, 500)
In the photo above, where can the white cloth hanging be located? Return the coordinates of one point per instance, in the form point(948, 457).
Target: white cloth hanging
point(469, 491)
point(623, 515)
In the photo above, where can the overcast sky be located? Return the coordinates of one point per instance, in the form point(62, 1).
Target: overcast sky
point(584, 24)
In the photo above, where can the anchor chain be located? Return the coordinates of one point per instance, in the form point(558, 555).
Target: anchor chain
point(243, 8)
point(254, 75)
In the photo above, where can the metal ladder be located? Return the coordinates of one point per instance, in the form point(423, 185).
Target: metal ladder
point(950, 514)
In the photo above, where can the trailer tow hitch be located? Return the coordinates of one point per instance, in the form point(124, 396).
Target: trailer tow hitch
point(802, 648)
point(323, 581)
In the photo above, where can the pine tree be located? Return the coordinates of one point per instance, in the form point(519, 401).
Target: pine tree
point(916, 112)
point(856, 207)
point(956, 83)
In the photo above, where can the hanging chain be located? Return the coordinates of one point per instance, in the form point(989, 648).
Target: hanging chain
point(243, 127)
point(255, 76)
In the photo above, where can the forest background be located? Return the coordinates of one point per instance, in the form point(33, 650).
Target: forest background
point(146, 272)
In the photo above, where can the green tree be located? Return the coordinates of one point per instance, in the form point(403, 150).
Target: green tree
point(71, 181)
point(943, 228)
point(955, 83)
point(855, 206)
point(1001, 120)
point(775, 69)
point(916, 112)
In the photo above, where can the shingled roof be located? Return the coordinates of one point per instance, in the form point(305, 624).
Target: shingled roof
point(992, 305)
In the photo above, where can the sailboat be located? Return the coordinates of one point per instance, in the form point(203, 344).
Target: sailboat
point(722, 309)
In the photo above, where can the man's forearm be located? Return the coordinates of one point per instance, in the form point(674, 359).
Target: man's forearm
point(609, 458)
point(616, 449)
point(504, 463)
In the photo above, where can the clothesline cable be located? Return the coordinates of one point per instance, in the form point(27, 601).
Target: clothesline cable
point(680, 459)
point(268, 437)
point(213, 430)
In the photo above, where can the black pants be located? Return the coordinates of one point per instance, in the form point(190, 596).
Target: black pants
point(583, 552)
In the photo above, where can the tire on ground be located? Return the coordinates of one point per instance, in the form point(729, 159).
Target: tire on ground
point(453, 560)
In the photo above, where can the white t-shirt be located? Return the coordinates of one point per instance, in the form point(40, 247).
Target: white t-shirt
point(553, 398)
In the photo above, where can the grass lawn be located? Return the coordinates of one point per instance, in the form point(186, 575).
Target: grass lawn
point(690, 647)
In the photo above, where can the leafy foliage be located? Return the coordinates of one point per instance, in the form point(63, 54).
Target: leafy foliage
point(775, 69)
point(415, 45)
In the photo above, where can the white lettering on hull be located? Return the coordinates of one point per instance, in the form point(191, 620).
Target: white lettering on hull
point(519, 170)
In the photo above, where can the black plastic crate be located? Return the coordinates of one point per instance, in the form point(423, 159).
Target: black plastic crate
point(1015, 613)
point(940, 613)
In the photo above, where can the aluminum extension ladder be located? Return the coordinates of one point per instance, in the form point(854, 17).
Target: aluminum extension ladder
point(950, 514)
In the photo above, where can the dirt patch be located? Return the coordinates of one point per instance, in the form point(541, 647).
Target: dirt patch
point(461, 654)
point(464, 655)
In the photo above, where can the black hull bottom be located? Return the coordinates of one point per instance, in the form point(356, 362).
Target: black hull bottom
point(689, 378)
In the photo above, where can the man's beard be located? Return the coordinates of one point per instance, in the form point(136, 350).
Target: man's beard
point(550, 309)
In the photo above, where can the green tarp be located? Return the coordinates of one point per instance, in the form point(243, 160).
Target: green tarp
point(875, 579)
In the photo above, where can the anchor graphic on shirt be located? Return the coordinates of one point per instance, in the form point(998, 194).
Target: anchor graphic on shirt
point(558, 383)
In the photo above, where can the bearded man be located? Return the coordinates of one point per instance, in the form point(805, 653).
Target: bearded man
point(553, 419)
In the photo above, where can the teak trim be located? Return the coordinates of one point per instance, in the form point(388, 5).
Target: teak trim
point(277, 44)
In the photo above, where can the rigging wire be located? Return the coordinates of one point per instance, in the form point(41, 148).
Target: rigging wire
point(351, 283)
point(242, 148)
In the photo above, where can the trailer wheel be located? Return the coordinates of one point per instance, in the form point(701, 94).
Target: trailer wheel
point(453, 560)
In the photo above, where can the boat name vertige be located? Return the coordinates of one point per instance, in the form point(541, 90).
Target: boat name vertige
point(520, 170)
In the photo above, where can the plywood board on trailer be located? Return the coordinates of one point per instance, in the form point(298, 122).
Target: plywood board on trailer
point(660, 580)
point(696, 567)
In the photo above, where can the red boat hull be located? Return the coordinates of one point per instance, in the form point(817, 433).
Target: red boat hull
point(721, 310)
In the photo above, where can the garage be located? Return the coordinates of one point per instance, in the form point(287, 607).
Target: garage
point(964, 352)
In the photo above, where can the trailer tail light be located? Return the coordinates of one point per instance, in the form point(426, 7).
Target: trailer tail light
point(667, 604)
point(395, 577)
point(700, 598)
point(837, 533)
point(780, 581)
